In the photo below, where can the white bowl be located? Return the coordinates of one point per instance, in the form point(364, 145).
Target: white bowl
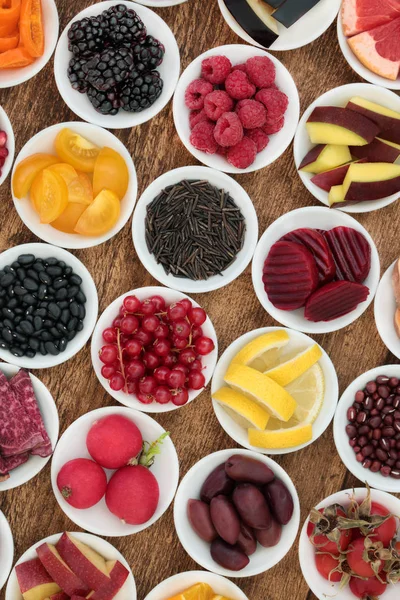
point(6, 549)
point(11, 77)
point(99, 519)
point(44, 142)
point(92, 305)
point(317, 218)
point(264, 558)
point(384, 310)
point(180, 582)
point(160, 3)
point(357, 66)
point(209, 361)
point(298, 342)
point(304, 31)
point(220, 180)
point(321, 587)
point(346, 453)
point(128, 590)
point(339, 97)
point(48, 410)
point(169, 70)
point(6, 126)
point(278, 143)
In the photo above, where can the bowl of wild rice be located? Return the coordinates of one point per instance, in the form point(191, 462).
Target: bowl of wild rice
point(195, 229)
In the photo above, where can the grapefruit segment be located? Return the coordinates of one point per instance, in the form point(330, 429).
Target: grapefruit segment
point(363, 15)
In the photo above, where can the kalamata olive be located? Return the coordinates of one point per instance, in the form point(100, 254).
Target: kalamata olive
point(251, 506)
point(228, 557)
point(225, 519)
point(247, 541)
point(198, 513)
point(216, 483)
point(269, 537)
point(248, 470)
point(280, 501)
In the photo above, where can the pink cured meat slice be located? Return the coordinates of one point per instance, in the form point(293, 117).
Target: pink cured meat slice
point(10, 463)
point(4, 475)
point(21, 383)
point(362, 15)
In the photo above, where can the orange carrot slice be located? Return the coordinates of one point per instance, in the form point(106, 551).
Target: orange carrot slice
point(9, 42)
point(15, 59)
point(31, 27)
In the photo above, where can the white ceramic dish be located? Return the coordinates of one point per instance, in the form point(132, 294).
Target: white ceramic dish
point(44, 142)
point(106, 319)
point(298, 342)
point(264, 558)
point(384, 310)
point(321, 587)
point(48, 410)
point(11, 77)
point(128, 590)
point(339, 97)
point(304, 31)
point(180, 582)
point(169, 70)
point(220, 180)
point(88, 287)
point(5, 125)
point(357, 65)
point(278, 143)
point(160, 3)
point(6, 549)
point(346, 453)
point(99, 519)
point(317, 218)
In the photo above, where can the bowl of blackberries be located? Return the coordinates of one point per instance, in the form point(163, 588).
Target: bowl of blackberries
point(48, 305)
point(116, 66)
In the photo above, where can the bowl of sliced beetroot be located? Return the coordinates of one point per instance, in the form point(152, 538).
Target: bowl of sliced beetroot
point(315, 279)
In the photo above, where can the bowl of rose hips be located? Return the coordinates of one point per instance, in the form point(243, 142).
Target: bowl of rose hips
point(367, 428)
point(349, 546)
point(7, 145)
point(154, 349)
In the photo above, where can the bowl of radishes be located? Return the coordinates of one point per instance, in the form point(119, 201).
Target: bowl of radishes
point(114, 471)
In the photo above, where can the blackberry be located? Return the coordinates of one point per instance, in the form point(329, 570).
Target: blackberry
point(76, 74)
point(140, 90)
point(149, 53)
point(124, 27)
point(107, 103)
point(109, 68)
point(87, 36)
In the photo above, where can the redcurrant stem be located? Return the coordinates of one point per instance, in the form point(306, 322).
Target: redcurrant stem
point(121, 362)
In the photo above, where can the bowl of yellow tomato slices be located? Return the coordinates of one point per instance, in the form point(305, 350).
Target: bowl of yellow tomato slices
point(74, 185)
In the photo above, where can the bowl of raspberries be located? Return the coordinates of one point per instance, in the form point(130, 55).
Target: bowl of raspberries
point(6, 145)
point(116, 66)
point(236, 108)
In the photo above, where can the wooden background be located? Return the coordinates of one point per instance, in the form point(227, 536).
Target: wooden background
point(317, 471)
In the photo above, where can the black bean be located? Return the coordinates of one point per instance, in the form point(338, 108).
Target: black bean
point(51, 291)
point(62, 344)
point(34, 343)
point(29, 299)
point(4, 345)
point(30, 353)
point(45, 277)
point(71, 326)
point(41, 312)
point(54, 271)
point(61, 294)
point(29, 310)
point(20, 290)
point(55, 333)
point(32, 274)
point(9, 269)
point(54, 310)
point(18, 311)
point(62, 328)
point(6, 334)
point(8, 323)
point(47, 323)
point(26, 259)
point(42, 291)
point(10, 291)
point(21, 274)
point(74, 309)
point(73, 292)
point(59, 283)
point(19, 337)
point(8, 313)
point(68, 271)
point(65, 316)
point(44, 304)
point(7, 280)
point(42, 349)
point(75, 279)
point(27, 327)
point(45, 336)
point(17, 319)
point(51, 349)
point(63, 304)
point(61, 264)
point(16, 351)
point(71, 335)
point(82, 312)
point(38, 266)
point(30, 284)
point(51, 261)
point(79, 327)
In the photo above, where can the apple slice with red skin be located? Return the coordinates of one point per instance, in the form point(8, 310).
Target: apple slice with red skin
point(336, 125)
point(388, 120)
point(323, 157)
point(377, 151)
point(88, 565)
point(34, 581)
point(119, 575)
point(60, 571)
point(336, 176)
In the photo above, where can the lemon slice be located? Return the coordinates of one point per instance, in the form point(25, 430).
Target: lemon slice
point(263, 352)
point(281, 438)
point(242, 407)
point(290, 370)
point(260, 388)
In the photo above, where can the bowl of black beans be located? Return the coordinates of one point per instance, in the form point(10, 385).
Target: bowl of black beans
point(367, 428)
point(48, 305)
point(195, 229)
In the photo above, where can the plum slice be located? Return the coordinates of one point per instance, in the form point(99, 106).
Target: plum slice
point(335, 300)
point(315, 242)
point(351, 253)
point(290, 275)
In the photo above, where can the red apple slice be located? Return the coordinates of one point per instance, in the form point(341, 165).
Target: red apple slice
point(60, 571)
point(34, 581)
point(88, 565)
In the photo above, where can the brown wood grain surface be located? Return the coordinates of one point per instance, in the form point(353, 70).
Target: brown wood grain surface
point(317, 471)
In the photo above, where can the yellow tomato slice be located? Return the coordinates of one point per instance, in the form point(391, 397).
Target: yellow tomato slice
point(80, 190)
point(68, 219)
point(76, 150)
point(49, 195)
point(27, 170)
point(67, 172)
point(110, 173)
point(101, 215)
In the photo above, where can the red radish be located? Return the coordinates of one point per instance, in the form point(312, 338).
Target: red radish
point(82, 482)
point(114, 441)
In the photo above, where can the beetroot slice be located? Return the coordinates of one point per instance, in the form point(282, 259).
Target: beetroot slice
point(351, 252)
point(290, 275)
point(317, 245)
point(335, 300)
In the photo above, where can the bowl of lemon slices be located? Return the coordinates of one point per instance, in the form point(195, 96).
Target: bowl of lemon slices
point(274, 390)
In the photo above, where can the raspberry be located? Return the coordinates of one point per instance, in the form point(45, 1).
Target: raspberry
point(251, 113)
point(258, 136)
point(221, 151)
point(216, 69)
point(197, 116)
point(202, 137)
point(238, 86)
point(196, 92)
point(243, 154)
point(240, 67)
point(261, 71)
point(272, 127)
point(216, 103)
point(275, 101)
point(228, 130)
